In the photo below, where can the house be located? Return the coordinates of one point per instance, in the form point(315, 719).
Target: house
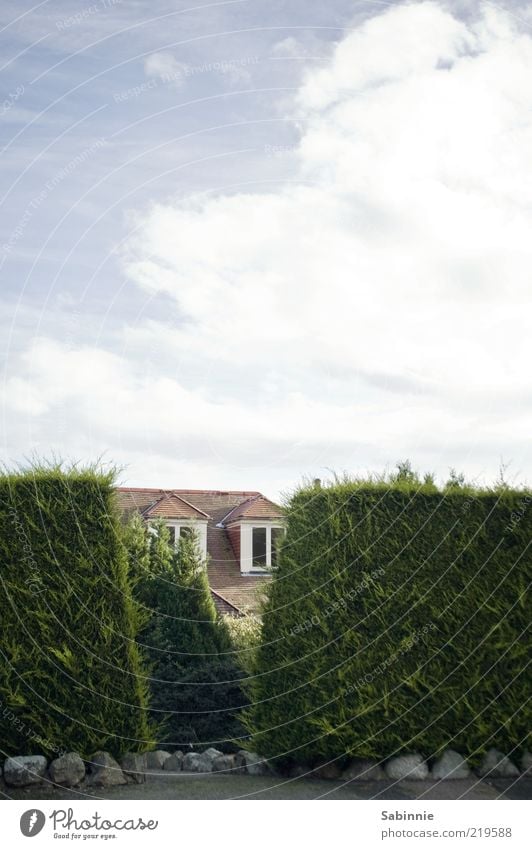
point(237, 532)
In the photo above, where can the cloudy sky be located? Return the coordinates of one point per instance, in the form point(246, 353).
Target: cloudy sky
point(246, 242)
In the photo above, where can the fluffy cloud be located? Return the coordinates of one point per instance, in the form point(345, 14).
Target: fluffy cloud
point(164, 65)
point(377, 305)
point(404, 250)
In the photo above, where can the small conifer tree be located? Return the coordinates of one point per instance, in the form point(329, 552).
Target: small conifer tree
point(194, 684)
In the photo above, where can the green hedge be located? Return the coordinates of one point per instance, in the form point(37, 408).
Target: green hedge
point(70, 671)
point(396, 621)
point(196, 695)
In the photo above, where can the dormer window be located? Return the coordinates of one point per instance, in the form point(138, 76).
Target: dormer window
point(184, 528)
point(181, 518)
point(264, 542)
point(178, 531)
point(257, 545)
point(253, 528)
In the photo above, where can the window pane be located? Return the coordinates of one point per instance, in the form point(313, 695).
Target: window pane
point(259, 547)
point(277, 535)
point(186, 531)
point(171, 531)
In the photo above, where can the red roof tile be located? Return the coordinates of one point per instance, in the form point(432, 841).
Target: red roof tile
point(257, 507)
point(174, 507)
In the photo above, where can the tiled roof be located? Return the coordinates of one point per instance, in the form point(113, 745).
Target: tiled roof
point(224, 607)
point(240, 592)
point(256, 507)
point(174, 507)
point(217, 503)
point(225, 577)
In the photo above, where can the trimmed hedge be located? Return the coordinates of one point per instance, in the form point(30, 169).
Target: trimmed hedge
point(396, 621)
point(70, 671)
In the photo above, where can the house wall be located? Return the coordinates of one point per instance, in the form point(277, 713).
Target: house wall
point(234, 538)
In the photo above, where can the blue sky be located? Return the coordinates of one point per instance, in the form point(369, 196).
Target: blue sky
point(244, 242)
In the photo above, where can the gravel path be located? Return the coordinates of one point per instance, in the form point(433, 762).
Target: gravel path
point(188, 786)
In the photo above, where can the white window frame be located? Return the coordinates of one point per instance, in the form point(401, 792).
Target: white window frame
point(246, 546)
point(199, 527)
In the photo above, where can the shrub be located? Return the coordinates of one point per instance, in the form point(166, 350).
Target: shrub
point(396, 621)
point(245, 634)
point(204, 703)
point(70, 673)
point(194, 684)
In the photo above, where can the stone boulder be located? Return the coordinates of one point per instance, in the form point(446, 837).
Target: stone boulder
point(23, 771)
point(407, 767)
point(251, 763)
point(363, 769)
point(134, 768)
point(105, 771)
point(450, 765)
point(526, 763)
point(327, 772)
point(224, 763)
point(155, 760)
point(68, 770)
point(174, 763)
point(496, 765)
point(197, 762)
point(296, 771)
point(212, 753)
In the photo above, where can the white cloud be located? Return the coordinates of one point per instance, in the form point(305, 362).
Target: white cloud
point(164, 65)
point(377, 309)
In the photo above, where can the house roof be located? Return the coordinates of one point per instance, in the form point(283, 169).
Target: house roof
point(174, 507)
point(216, 503)
point(256, 507)
point(232, 591)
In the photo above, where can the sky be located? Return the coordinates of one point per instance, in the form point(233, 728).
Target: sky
point(247, 243)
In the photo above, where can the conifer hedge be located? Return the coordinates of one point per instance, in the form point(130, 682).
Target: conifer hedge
point(195, 683)
point(396, 622)
point(70, 671)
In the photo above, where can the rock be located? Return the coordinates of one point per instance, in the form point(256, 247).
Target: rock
point(327, 772)
point(174, 763)
point(68, 770)
point(299, 771)
point(496, 765)
point(196, 762)
point(251, 763)
point(410, 767)
point(212, 754)
point(104, 771)
point(450, 765)
point(224, 763)
point(526, 763)
point(25, 770)
point(134, 768)
point(362, 769)
point(155, 760)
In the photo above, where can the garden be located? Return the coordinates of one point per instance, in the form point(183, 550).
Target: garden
point(394, 640)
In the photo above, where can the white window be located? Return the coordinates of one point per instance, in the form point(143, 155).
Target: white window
point(258, 546)
point(177, 530)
